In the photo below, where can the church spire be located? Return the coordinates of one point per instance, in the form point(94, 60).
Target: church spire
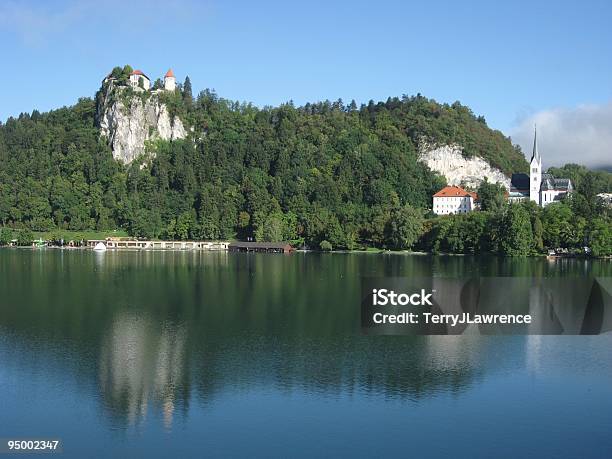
point(535, 155)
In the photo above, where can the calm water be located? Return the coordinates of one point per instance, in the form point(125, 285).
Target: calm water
point(176, 354)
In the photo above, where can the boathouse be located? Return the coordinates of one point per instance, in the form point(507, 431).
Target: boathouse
point(266, 247)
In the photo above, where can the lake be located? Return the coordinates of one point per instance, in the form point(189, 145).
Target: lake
point(175, 354)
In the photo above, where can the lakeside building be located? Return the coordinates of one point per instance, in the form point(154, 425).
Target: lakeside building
point(454, 200)
point(539, 187)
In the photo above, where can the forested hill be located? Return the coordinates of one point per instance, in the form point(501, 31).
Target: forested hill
point(324, 171)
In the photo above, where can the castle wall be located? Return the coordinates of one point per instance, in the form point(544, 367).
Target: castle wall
point(169, 83)
point(135, 78)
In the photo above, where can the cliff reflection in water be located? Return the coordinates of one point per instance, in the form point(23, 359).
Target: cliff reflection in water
point(142, 363)
point(157, 332)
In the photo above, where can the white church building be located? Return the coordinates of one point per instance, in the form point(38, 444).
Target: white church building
point(539, 187)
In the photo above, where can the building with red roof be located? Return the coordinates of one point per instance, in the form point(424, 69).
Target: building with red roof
point(169, 81)
point(139, 80)
point(454, 200)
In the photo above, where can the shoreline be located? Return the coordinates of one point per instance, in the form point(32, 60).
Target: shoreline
point(305, 251)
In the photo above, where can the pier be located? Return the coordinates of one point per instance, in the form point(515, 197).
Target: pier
point(266, 247)
point(136, 244)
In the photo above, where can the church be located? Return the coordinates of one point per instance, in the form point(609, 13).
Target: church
point(539, 187)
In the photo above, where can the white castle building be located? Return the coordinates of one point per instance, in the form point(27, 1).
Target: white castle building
point(141, 82)
point(537, 186)
point(169, 81)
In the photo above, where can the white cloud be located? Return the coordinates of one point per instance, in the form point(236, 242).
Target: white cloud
point(34, 24)
point(580, 135)
point(37, 23)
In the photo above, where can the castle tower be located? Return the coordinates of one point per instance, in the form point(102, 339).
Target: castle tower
point(169, 81)
point(535, 171)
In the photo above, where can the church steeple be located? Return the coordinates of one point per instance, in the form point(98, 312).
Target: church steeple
point(535, 155)
point(535, 171)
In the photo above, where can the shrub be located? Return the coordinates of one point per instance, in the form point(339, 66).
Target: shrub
point(325, 246)
point(25, 237)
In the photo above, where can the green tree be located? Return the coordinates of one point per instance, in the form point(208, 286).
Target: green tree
point(186, 227)
point(491, 196)
point(187, 93)
point(6, 236)
point(25, 237)
point(600, 237)
point(404, 227)
point(538, 233)
point(516, 237)
point(561, 227)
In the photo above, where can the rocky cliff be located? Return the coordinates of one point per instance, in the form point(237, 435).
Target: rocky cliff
point(449, 161)
point(128, 119)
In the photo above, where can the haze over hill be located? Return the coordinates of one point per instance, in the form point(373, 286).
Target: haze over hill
point(582, 134)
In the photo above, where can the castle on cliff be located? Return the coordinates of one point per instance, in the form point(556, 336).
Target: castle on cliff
point(141, 82)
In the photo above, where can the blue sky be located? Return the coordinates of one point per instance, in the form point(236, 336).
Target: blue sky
point(513, 62)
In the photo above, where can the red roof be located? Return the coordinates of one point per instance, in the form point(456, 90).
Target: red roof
point(138, 72)
point(169, 73)
point(453, 192)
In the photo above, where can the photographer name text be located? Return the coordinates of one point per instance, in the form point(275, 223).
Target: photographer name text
point(384, 297)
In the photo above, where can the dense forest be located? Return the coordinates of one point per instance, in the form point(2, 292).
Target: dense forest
point(328, 175)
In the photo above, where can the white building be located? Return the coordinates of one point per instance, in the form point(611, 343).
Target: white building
point(169, 81)
point(538, 187)
point(139, 80)
point(454, 200)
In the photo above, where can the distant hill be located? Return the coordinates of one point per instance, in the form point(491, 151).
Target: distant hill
point(326, 170)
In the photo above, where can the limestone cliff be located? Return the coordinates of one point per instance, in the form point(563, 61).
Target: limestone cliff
point(128, 120)
point(449, 161)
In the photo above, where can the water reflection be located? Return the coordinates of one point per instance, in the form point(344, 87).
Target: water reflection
point(142, 363)
point(157, 332)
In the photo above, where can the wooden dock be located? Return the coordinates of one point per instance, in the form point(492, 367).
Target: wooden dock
point(263, 247)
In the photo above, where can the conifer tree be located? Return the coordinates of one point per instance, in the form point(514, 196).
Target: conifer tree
point(187, 93)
